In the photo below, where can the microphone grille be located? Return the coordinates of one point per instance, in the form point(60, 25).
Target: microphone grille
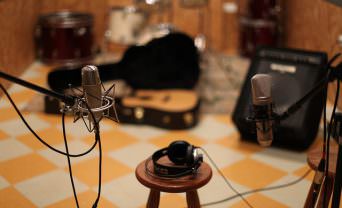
point(90, 75)
point(261, 89)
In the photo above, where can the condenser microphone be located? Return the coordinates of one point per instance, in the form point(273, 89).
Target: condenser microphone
point(262, 107)
point(91, 84)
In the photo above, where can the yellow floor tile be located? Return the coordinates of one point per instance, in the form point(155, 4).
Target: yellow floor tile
point(113, 140)
point(10, 198)
point(252, 173)
point(111, 169)
point(301, 171)
point(259, 200)
point(234, 141)
point(25, 167)
point(3, 135)
point(23, 96)
point(52, 136)
point(224, 119)
point(53, 119)
point(165, 139)
point(170, 201)
point(10, 113)
point(85, 199)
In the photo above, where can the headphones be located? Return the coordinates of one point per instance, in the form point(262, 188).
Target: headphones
point(185, 157)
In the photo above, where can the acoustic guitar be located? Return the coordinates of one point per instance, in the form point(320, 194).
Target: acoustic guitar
point(170, 109)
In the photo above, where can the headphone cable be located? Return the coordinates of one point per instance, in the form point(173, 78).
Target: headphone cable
point(259, 190)
point(171, 177)
point(225, 179)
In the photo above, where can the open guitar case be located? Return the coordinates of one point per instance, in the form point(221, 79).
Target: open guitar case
point(169, 65)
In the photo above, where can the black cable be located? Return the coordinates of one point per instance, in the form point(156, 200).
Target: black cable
point(259, 190)
point(328, 139)
point(168, 177)
point(225, 179)
point(68, 157)
point(36, 135)
point(97, 136)
point(97, 140)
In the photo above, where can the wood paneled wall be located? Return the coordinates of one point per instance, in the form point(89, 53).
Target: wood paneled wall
point(308, 24)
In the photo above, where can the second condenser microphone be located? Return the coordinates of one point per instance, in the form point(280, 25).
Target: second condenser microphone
point(91, 84)
point(262, 107)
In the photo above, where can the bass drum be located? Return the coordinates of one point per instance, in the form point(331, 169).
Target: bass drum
point(65, 38)
point(125, 25)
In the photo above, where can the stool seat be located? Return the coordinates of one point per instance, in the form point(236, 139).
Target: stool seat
point(189, 183)
point(314, 157)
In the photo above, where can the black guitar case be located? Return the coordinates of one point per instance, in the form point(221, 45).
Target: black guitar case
point(168, 62)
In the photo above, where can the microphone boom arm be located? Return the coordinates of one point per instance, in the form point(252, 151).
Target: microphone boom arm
point(334, 73)
point(69, 100)
point(322, 84)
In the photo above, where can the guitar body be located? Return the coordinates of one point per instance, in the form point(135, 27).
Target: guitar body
point(169, 109)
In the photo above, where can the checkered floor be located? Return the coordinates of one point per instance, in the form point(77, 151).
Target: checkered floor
point(34, 176)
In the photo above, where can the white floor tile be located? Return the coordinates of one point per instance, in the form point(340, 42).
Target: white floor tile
point(75, 147)
point(211, 130)
point(3, 183)
point(134, 154)
point(11, 148)
point(126, 192)
point(49, 188)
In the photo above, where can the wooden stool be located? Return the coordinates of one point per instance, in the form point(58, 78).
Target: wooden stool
point(188, 184)
point(313, 159)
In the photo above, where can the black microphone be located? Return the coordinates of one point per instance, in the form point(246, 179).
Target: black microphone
point(262, 106)
point(91, 84)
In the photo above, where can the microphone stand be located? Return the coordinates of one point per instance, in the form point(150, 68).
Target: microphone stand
point(338, 171)
point(69, 101)
point(320, 177)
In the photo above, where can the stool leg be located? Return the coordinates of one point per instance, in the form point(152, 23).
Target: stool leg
point(329, 180)
point(311, 198)
point(192, 199)
point(153, 199)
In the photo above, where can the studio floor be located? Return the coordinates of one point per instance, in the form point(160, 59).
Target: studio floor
point(31, 175)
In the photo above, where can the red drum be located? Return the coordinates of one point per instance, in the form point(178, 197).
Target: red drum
point(65, 38)
point(263, 9)
point(255, 33)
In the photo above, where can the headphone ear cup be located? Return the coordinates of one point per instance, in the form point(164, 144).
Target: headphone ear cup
point(178, 152)
point(190, 155)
